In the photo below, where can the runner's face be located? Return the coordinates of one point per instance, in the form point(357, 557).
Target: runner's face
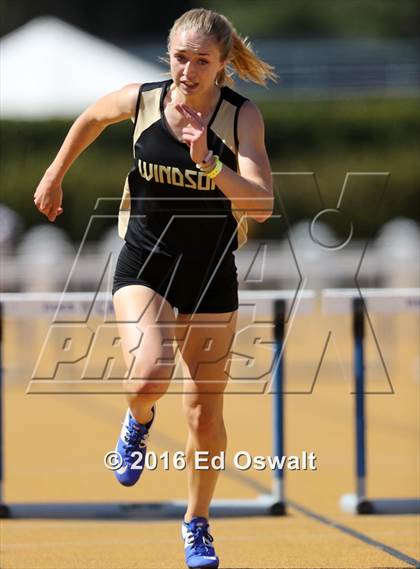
point(195, 62)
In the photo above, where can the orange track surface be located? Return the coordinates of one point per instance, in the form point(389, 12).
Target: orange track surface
point(54, 448)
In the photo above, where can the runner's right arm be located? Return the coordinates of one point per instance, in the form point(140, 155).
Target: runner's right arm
point(112, 108)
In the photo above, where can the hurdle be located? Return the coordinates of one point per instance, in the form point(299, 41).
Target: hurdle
point(360, 304)
point(280, 306)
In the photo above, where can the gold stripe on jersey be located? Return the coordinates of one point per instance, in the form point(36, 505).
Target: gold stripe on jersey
point(125, 208)
point(242, 224)
point(148, 113)
point(224, 124)
point(224, 127)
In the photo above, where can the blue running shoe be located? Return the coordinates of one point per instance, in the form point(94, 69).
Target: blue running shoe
point(133, 439)
point(199, 551)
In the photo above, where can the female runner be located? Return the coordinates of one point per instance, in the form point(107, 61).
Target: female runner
point(200, 168)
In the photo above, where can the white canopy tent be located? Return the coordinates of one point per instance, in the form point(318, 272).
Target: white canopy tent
point(49, 68)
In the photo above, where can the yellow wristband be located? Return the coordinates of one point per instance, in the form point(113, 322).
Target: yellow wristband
point(216, 168)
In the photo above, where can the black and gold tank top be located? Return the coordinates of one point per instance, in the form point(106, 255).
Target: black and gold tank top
point(168, 205)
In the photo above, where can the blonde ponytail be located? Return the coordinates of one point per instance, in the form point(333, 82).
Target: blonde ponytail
point(245, 63)
point(236, 52)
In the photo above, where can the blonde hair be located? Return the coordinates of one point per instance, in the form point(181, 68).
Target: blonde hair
point(236, 51)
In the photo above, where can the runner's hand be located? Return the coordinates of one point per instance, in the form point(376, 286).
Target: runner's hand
point(195, 133)
point(48, 198)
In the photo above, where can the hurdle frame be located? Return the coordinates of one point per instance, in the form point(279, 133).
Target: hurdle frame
point(282, 305)
point(359, 303)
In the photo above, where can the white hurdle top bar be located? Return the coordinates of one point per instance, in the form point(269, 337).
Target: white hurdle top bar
point(380, 300)
point(38, 304)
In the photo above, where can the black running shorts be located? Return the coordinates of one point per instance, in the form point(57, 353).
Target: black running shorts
point(201, 286)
